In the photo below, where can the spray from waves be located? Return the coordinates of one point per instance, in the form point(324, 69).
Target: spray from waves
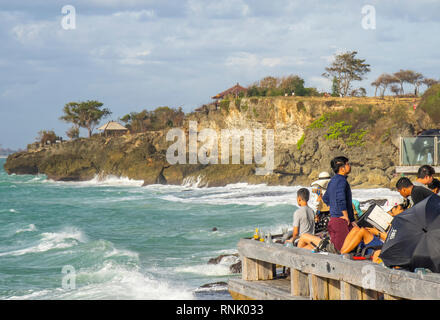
point(194, 182)
point(240, 193)
point(261, 194)
point(65, 238)
point(222, 268)
point(206, 269)
point(101, 181)
point(111, 180)
point(114, 281)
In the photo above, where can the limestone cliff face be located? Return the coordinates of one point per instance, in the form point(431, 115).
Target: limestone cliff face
point(301, 147)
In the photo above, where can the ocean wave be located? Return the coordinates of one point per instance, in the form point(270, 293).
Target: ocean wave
point(102, 181)
point(211, 270)
point(194, 182)
point(269, 196)
point(65, 238)
point(30, 228)
point(114, 281)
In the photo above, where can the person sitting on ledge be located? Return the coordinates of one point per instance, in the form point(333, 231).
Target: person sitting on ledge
point(407, 189)
point(425, 175)
point(365, 237)
point(434, 186)
point(303, 218)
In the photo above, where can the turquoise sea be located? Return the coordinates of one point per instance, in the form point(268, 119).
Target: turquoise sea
point(113, 239)
point(117, 240)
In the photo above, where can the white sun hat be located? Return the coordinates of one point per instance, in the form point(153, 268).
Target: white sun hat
point(323, 180)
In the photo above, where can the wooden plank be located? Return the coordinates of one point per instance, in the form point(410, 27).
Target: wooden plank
point(368, 294)
point(249, 269)
point(318, 287)
point(238, 296)
point(390, 297)
point(334, 289)
point(350, 292)
point(253, 269)
point(278, 289)
point(390, 281)
point(299, 283)
point(265, 270)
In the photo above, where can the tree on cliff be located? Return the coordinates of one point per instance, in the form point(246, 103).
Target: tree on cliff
point(347, 68)
point(86, 114)
point(383, 81)
point(47, 135)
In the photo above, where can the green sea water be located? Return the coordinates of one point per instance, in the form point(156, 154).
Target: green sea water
point(114, 239)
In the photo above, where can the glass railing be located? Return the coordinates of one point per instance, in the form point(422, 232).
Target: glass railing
point(419, 150)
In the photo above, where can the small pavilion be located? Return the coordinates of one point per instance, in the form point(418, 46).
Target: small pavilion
point(234, 91)
point(113, 128)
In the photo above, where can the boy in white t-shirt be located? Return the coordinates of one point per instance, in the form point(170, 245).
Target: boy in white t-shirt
point(303, 218)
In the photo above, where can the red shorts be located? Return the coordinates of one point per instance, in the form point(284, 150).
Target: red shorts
point(338, 230)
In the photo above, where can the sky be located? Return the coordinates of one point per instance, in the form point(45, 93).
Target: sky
point(140, 54)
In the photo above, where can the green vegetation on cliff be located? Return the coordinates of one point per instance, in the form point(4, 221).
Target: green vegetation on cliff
point(430, 103)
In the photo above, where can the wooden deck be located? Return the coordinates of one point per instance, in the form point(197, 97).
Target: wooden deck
point(277, 289)
point(319, 276)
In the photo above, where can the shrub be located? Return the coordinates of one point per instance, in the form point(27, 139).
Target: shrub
point(356, 138)
point(337, 130)
point(300, 141)
point(318, 123)
point(430, 102)
point(224, 105)
point(45, 136)
point(73, 133)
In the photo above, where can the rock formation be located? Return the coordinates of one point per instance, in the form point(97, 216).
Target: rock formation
point(308, 132)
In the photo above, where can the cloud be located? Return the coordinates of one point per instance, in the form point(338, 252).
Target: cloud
point(135, 54)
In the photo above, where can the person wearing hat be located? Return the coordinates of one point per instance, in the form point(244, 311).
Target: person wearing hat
point(322, 210)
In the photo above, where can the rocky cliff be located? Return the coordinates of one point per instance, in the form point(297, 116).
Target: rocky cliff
point(307, 131)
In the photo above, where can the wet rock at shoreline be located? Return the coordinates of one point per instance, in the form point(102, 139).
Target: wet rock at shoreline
point(232, 260)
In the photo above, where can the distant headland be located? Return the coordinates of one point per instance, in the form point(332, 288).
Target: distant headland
point(308, 127)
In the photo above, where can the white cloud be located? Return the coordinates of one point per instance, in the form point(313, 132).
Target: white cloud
point(128, 53)
point(321, 83)
point(225, 9)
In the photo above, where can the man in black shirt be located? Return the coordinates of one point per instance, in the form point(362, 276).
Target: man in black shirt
point(417, 193)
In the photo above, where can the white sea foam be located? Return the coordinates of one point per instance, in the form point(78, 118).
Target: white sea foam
point(103, 181)
point(211, 270)
point(192, 182)
point(114, 281)
point(30, 228)
point(261, 194)
point(65, 238)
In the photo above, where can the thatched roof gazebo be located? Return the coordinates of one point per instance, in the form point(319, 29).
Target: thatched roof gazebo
point(113, 128)
point(234, 91)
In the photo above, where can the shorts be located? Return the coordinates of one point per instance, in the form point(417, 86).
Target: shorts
point(338, 230)
point(373, 243)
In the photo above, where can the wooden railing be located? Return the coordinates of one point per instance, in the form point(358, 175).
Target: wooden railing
point(324, 276)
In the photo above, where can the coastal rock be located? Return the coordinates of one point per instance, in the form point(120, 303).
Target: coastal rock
point(230, 259)
point(142, 156)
